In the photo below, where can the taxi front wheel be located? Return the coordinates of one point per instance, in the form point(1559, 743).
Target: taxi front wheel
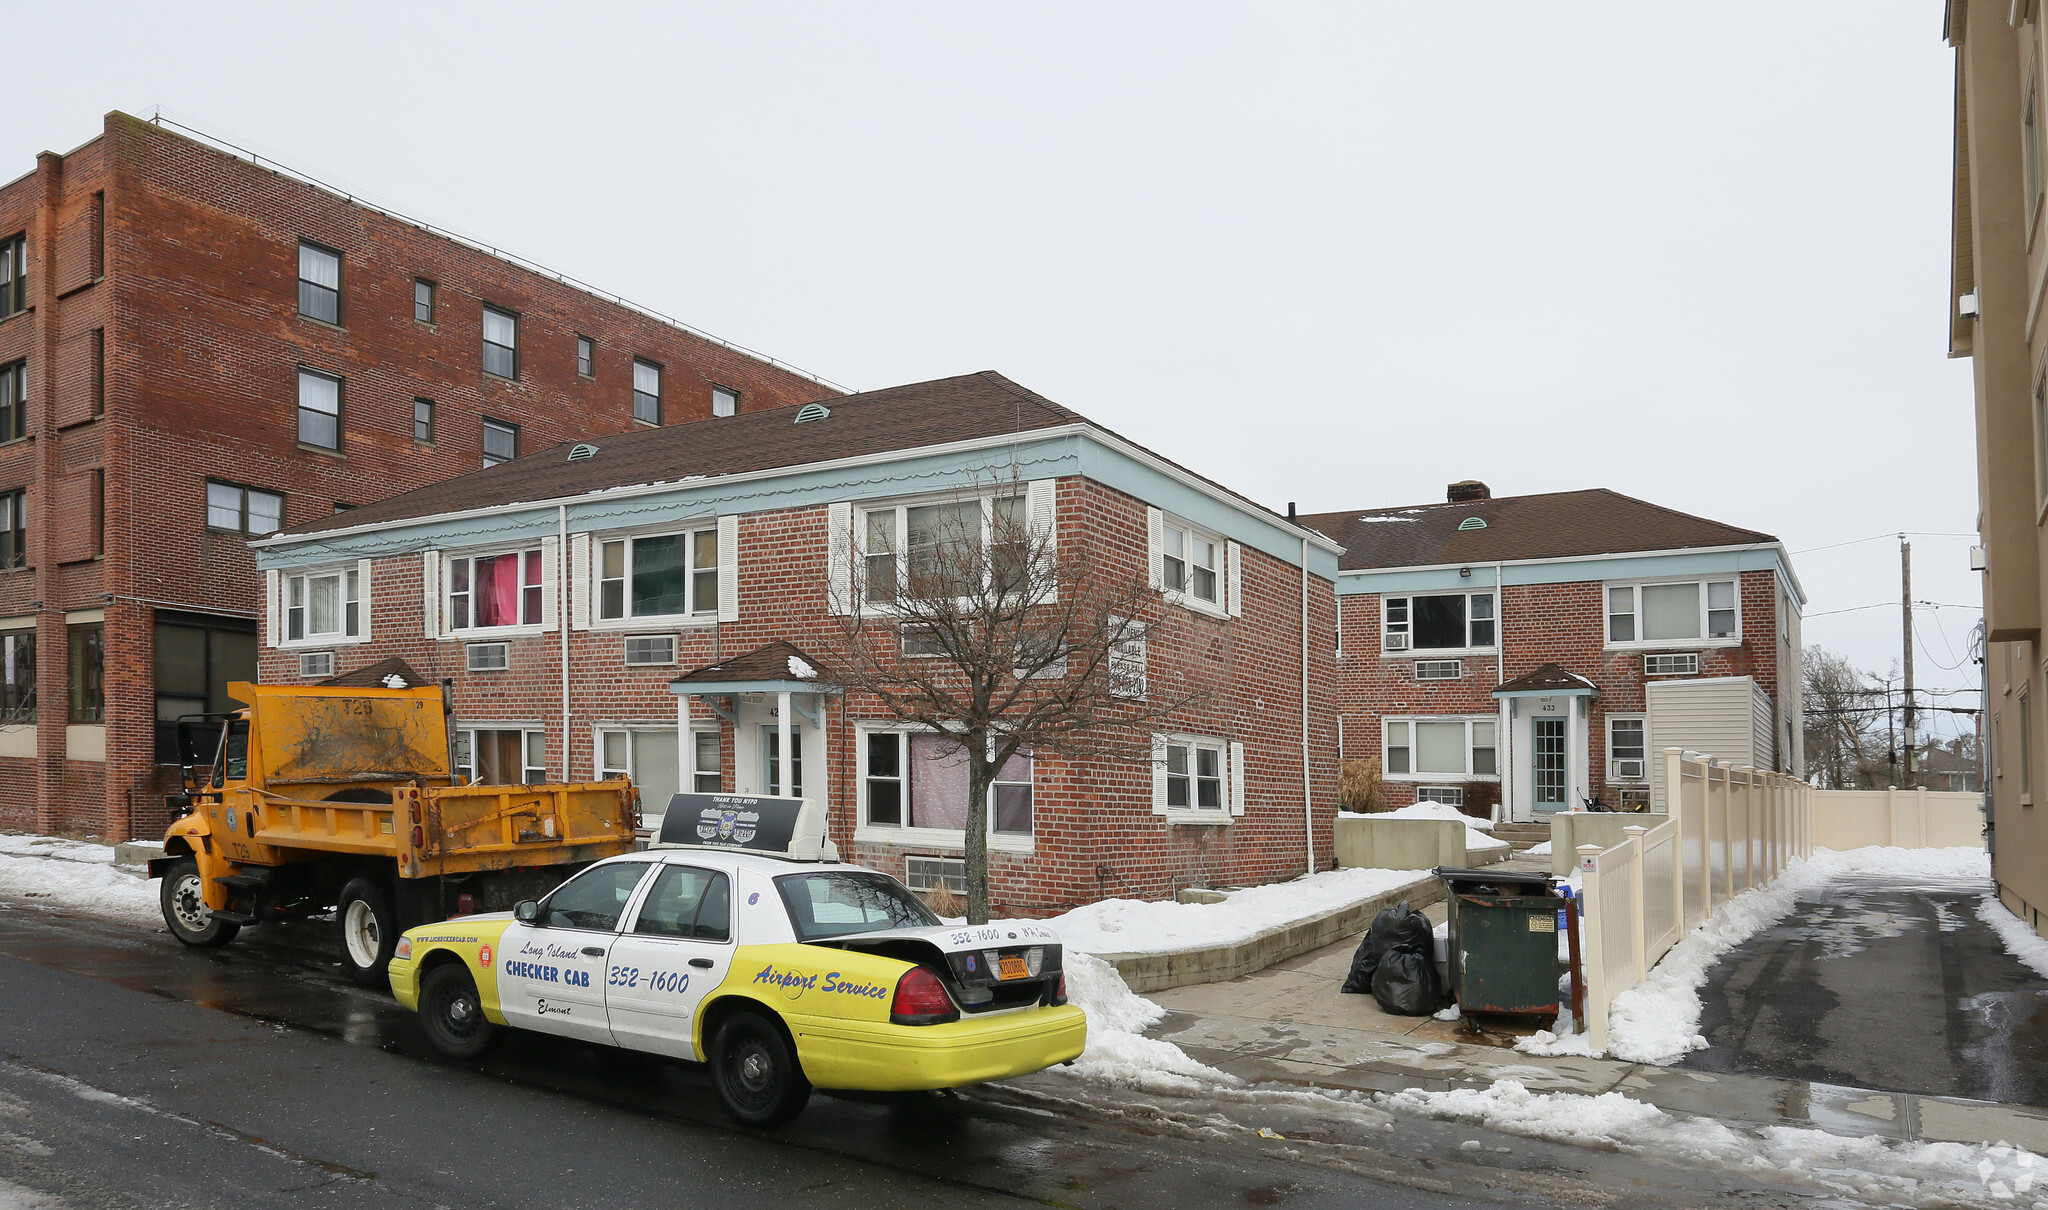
point(757, 1074)
point(454, 1014)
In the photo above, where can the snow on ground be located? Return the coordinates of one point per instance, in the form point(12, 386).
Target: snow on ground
point(1117, 1052)
point(1657, 1020)
point(54, 872)
point(2020, 941)
point(1869, 1166)
point(1132, 926)
point(1538, 850)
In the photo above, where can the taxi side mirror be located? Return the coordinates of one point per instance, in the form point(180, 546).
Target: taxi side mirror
point(526, 911)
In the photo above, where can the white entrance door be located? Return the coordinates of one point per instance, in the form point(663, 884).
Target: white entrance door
point(679, 948)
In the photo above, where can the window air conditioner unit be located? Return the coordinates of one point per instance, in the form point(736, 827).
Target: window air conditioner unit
point(490, 657)
point(1396, 642)
point(316, 663)
point(648, 649)
point(1631, 770)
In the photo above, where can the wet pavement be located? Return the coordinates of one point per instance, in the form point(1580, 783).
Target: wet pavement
point(1876, 986)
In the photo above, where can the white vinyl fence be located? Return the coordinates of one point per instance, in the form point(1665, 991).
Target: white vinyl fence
point(1730, 829)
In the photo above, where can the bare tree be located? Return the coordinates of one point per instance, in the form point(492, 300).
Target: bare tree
point(1845, 712)
point(970, 621)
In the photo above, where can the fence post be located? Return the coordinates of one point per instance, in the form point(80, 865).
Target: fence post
point(1727, 769)
point(1634, 832)
point(1891, 815)
point(1590, 955)
point(1674, 797)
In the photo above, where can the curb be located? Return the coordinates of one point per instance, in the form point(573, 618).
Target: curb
point(1216, 964)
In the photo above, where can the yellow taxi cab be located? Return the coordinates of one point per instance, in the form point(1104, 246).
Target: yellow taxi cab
point(739, 940)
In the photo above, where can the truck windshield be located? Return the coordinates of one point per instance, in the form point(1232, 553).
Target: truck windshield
point(833, 904)
point(232, 762)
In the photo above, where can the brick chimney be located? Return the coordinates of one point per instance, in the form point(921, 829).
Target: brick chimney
point(1467, 490)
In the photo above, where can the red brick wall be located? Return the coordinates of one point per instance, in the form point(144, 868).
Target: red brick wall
point(1563, 624)
point(202, 344)
point(1094, 830)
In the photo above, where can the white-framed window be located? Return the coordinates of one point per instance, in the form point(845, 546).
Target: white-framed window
point(707, 761)
point(1451, 621)
point(323, 606)
point(1197, 778)
point(316, 664)
point(501, 756)
point(649, 650)
point(924, 873)
point(658, 576)
point(913, 790)
point(490, 592)
point(1627, 748)
point(1680, 611)
point(925, 550)
point(1191, 562)
point(724, 401)
point(1450, 796)
point(1439, 670)
point(1680, 664)
point(487, 657)
point(648, 755)
point(1430, 747)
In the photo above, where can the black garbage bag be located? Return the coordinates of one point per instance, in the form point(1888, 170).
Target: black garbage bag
point(1401, 925)
point(1405, 982)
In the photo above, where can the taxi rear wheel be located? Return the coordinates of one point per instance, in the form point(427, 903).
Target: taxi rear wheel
point(183, 899)
point(369, 931)
point(757, 1074)
point(453, 1013)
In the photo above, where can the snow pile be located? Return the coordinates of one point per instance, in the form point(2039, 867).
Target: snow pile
point(1538, 850)
point(49, 871)
point(1869, 1166)
point(1132, 926)
point(2020, 941)
point(1117, 1053)
point(801, 669)
point(1479, 836)
point(1657, 1020)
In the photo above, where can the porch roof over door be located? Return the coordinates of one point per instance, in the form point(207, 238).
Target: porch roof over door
point(1548, 681)
point(779, 667)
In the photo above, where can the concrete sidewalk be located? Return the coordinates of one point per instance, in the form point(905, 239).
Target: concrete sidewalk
point(1288, 1024)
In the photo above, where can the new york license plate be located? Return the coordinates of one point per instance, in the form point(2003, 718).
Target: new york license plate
point(1011, 966)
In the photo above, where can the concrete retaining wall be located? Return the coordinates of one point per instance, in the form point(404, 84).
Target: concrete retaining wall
point(1156, 972)
point(1570, 829)
point(1373, 842)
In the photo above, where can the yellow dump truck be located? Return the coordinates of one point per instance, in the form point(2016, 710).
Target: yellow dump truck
point(327, 799)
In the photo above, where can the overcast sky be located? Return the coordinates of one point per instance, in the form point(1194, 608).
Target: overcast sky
point(1335, 254)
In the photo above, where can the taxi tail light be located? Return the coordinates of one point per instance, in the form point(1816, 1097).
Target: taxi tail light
point(1060, 996)
point(921, 999)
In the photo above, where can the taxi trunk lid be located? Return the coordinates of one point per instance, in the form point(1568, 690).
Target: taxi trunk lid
point(1002, 964)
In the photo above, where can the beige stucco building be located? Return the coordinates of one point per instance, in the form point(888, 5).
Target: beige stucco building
point(1999, 289)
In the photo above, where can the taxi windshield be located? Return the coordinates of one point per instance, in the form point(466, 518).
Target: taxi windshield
point(833, 904)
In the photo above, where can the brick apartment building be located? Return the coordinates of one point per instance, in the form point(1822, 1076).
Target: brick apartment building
point(668, 604)
point(1516, 656)
point(195, 350)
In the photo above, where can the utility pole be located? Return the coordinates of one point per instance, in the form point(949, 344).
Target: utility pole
point(1906, 621)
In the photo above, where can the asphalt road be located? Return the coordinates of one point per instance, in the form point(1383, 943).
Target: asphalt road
point(1872, 985)
point(134, 1072)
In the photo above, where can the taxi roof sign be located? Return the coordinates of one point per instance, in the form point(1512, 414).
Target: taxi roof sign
point(774, 827)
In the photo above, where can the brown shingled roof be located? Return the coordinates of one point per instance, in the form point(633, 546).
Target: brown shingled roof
point(1552, 525)
point(770, 663)
point(874, 422)
point(371, 676)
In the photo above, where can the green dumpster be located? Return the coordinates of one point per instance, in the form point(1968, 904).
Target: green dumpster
point(1503, 944)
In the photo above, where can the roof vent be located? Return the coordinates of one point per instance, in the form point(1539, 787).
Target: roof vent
point(1467, 489)
point(1472, 523)
point(810, 412)
point(582, 450)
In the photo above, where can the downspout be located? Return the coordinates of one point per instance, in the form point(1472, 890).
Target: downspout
point(1505, 763)
point(1308, 810)
point(562, 624)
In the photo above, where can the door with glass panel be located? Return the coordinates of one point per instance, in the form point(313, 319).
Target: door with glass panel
point(1551, 773)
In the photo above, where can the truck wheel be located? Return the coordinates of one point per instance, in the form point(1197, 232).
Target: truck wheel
point(757, 1074)
point(369, 931)
point(183, 897)
point(454, 1014)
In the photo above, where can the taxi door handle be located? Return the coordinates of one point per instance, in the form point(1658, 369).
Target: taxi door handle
point(594, 951)
point(702, 963)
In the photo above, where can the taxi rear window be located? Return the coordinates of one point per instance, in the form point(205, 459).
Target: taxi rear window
point(835, 903)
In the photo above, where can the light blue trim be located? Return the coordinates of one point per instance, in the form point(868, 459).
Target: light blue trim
point(1580, 692)
point(694, 688)
point(1627, 567)
point(702, 499)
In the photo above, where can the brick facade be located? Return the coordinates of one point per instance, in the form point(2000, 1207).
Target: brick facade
point(163, 342)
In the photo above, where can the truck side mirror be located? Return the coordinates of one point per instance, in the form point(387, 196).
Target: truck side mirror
point(526, 911)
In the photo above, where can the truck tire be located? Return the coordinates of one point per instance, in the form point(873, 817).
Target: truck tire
point(369, 931)
point(183, 898)
point(453, 1013)
point(755, 1069)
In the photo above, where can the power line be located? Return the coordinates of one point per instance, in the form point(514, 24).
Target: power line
point(1909, 533)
